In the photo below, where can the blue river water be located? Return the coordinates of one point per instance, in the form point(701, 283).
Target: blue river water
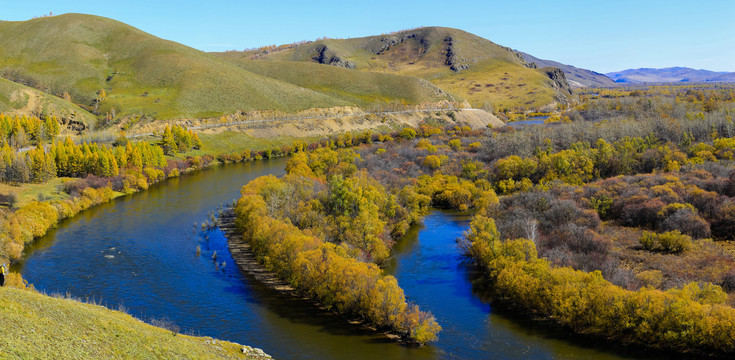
point(138, 253)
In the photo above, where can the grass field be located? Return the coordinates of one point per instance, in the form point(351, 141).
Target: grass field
point(356, 87)
point(25, 193)
point(35, 326)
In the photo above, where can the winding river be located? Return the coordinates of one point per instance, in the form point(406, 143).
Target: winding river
point(139, 253)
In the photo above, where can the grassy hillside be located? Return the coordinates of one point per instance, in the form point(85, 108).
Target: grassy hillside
point(358, 87)
point(17, 99)
point(140, 73)
point(36, 326)
point(468, 66)
point(108, 67)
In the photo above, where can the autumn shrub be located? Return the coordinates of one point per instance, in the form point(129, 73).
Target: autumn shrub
point(427, 145)
point(153, 175)
point(670, 242)
point(649, 240)
point(407, 133)
point(433, 162)
point(328, 272)
point(474, 147)
point(692, 318)
point(452, 192)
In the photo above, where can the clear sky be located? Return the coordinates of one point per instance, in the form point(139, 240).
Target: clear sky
point(603, 36)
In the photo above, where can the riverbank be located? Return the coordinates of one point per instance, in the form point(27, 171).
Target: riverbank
point(243, 254)
point(321, 123)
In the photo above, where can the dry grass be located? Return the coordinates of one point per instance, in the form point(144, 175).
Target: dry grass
point(705, 261)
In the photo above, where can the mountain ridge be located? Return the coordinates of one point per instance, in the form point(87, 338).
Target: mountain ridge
point(577, 77)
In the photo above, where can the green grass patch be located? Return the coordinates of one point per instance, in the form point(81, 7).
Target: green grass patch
point(355, 87)
point(25, 193)
point(36, 326)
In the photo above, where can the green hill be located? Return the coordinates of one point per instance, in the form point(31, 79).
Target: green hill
point(36, 326)
point(461, 63)
point(140, 73)
point(108, 67)
point(17, 99)
point(144, 75)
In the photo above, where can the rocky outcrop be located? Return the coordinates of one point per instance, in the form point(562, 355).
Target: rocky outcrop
point(323, 55)
point(453, 59)
point(386, 43)
point(255, 353)
point(558, 80)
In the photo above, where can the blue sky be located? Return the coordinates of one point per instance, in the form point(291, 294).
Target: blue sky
point(602, 35)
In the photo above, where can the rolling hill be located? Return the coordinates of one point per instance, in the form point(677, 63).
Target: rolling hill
point(470, 67)
point(82, 54)
point(142, 74)
point(17, 99)
point(115, 71)
point(576, 77)
point(667, 75)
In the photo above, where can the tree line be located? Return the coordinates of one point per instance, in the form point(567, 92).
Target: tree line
point(20, 131)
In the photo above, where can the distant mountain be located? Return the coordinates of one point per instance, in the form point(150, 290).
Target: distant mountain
point(727, 77)
point(668, 75)
point(576, 77)
point(465, 65)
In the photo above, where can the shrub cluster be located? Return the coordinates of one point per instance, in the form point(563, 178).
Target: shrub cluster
point(693, 317)
point(670, 241)
point(326, 271)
